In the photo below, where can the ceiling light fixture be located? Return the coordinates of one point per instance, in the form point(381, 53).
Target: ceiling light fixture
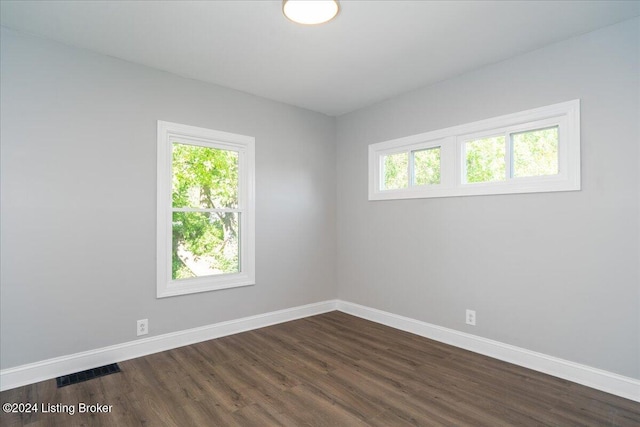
point(310, 12)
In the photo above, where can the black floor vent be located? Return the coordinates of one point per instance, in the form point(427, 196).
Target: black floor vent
point(89, 374)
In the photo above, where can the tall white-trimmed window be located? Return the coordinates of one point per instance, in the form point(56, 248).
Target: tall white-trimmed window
point(205, 224)
point(531, 151)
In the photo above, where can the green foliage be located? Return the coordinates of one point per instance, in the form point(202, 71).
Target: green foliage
point(396, 171)
point(204, 177)
point(426, 166)
point(535, 153)
point(485, 159)
point(204, 242)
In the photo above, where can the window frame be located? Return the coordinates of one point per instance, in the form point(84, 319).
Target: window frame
point(565, 115)
point(168, 134)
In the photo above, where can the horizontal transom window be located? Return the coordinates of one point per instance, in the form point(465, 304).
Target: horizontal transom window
point(531, 151)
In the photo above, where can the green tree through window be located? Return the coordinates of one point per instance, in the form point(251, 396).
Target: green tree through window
point(204, 225)
point(485, 159)
point(426, 166)
point(396, 167)
point(535, 153)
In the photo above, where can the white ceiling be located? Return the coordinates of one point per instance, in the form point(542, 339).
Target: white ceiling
point(372, 51)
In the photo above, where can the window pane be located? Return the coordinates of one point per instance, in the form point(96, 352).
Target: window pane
point(426, 166)
point(204, 244)
point(396, 171)
point(204, 177)
point(535, 153)
point(485, 159)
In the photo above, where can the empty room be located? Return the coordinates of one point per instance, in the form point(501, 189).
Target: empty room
point(320, 213)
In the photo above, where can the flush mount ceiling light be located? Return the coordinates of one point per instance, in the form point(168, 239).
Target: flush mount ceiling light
point(310, 12)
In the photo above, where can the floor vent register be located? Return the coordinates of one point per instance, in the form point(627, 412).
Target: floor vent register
point(87, 375)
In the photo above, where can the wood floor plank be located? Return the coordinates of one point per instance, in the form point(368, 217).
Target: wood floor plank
point(390, 418)
point(328, 370)
point(312, 409)
point(256, 416)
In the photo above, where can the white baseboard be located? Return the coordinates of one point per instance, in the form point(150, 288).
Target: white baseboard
point(52, 368)
point(591, 377)
point(609, 382)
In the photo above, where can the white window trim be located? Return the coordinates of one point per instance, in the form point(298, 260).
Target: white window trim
point(565, 115)
point(245, 146)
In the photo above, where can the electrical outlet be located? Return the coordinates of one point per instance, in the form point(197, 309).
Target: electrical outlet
point(143, 327)
point(471, 317)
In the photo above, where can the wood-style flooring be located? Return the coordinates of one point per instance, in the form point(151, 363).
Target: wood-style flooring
point(327, 370)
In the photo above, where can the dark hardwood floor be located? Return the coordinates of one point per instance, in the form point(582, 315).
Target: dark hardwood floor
point(327, 370)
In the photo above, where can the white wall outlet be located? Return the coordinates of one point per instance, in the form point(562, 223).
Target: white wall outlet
point(143, 327)
point(471, 317)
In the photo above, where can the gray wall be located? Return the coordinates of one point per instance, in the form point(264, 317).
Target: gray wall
point(555, 273)
point(78, 200)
